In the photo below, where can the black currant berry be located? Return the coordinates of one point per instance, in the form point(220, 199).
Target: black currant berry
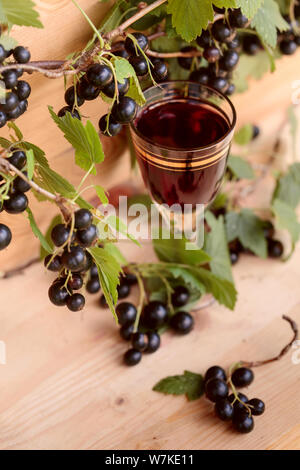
point(269, 230)
point(20, 185)
point(102, 301)
point(224, 409)
point(130, 46)
point(230, 60)
point(275, 248)
point(10, 78)
point(235, 44)
point(99, 75)
point(88, 261)
point(242, 377)
point(119, 50)
point(186, 62)
point(139, 341)
point(21, 55)
point(110, 89)
point(205, 39)
point(126, 331)
point(74, 259)
point(126, 313)
point(212, 54)
point(180, 296)
point(287, 47)
point(237, 19)
point(58, 294)
point(2, 54)
point(87, 91)
point(155, 314)
point(11, 102)
point(242, 422)
point(3, 118)
point(76, 302)
point(234, 257)
point(230, 90)
point(75, 282)
point(130, 279)
point(140, 65)
point(70, 97)
point(257, 406)
point(251, 44)
point(111, 128)
point(219, 83)
point(55, 265)
point(5, 236)
point(159, 71)
point(132, 357)
point(221, 31)
point(67, 109)
point(153, 343)
point(123, 290)
point(215, 372)
point(87, 236)
point(60, 234)
point(216, 389)
point(93, 285)
point(23, 90)
point(14, 113)
point(256, 132)
point(83, 219)
point(16, 204)
point(182, 322)
point(200, 76)
point(219, 10)
point(124, 111)
point(94, 271)
point(238, 404)
point(23, 105)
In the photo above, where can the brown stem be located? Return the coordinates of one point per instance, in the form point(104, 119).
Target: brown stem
point(170, 55)
point(282, 353)
point(19, 270)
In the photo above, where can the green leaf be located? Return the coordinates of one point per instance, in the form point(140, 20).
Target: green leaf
point(293, 128)
point(288, 186)
point(240, 167)
point(267, 21)
point(101, 194)
point(19, 12)
point(113, 17)
point(37, 232)
point(135, 91)
point(248, 228)
point(30, 163)
point(244, 135)
point(56, 220)
point(189, 384)
point(109, 271)
point(13, 125)
point(189, 17)
point(249, 7)
point(216, 246)
point(174, 251)
point(84, 139)
point(114, 251)
point(286, 219)
point(123, 69)
point(7, 41)
point(250, 66)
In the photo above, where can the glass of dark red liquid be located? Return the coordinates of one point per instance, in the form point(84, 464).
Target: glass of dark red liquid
point(182, 137)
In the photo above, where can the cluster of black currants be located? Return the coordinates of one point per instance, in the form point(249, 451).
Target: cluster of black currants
point(234, 407)
point(99, 78)
point(289, 41)
point(15, 200)
point(155, 316)
point(275, 247)
point(15, 101)
point(73, 262)
point(221, 47)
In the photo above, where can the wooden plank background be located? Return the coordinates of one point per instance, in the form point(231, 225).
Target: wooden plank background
point(64, 385)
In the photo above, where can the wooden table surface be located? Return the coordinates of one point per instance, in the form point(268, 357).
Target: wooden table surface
point(64, 385)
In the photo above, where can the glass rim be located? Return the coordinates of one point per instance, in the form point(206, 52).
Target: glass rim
point(194, 149)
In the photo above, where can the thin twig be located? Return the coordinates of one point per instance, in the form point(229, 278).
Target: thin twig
point(170, 55)
point(282, 353)
point(19, 270)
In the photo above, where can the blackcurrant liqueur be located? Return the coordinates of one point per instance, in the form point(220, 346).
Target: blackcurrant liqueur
point(183, 125)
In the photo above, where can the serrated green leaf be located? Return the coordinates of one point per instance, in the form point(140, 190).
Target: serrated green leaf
point(56, 220)
point(174, 251)
point(188, 278)
point(286, 219)
point(244, 135)
point(123, 69)
point(12, 125)
point(19, 12)
point(84, 139)
point(250, 66)
point(189, 17)
point(30, 163)
point(249, 7)
point(36, 231)
point(101, 194)
point(135, 91)
point(267, 21)
point(114, 251)
point(8, 42)
point(189, 384)
point(113, 17)
point(240, 167)
point(288, 186)
point(216, 246)
point(249, 229)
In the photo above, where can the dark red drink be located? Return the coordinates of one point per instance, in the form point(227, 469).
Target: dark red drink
point(182, 145)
